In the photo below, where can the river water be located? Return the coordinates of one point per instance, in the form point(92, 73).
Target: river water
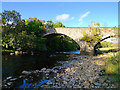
point(14, 65)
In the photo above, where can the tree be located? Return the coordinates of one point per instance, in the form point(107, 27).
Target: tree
point(58, 24)
point(9, 20)
point(37, 28)
point(94, 35)
point(51, 24)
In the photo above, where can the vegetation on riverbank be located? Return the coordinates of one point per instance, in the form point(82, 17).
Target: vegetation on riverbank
point(27, 35)
point(112, 67)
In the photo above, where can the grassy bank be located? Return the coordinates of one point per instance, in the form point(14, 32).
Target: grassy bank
point(107, 50)
point(112, 68)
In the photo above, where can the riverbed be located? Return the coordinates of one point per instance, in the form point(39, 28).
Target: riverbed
point(59, 70)
point(13, 66)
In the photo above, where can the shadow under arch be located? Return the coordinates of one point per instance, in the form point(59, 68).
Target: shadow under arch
point(51, 35)
point(98, 43)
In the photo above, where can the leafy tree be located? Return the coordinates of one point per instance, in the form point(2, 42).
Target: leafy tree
point(36, 27)
point(25, 35)
point(51, 24)
point(9, 20)
point(58, 24)
point(94, 35)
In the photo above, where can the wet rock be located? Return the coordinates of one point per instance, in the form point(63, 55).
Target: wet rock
point(67, 70)
point(86, 83)
point(9, 77)
point(44, 85)
point(9, 83)
point(55, 71)
point(36, 71)
point(97, 84)
point(22, 76)
point(26, 72)
point(102, 80)
point(14, 79)
point(49, 82)
point(43, 69)
point(48, 70)
point(47, 74)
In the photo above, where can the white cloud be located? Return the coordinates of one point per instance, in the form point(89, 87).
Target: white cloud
point(64, 17)
point(83, 16)
point(72, 18)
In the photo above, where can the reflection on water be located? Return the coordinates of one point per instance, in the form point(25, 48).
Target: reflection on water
point(14, 65)
point(71, 52)
point(36, 85)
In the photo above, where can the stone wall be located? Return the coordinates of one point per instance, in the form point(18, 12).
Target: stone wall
point(76, 34)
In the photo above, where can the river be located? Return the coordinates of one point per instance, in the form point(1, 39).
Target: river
point(12, 66)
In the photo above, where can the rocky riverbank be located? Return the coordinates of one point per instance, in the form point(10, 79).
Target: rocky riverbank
point(81, 71)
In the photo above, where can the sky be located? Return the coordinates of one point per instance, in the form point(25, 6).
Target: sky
point(71, 14)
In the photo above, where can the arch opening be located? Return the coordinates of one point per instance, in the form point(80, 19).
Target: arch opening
point(58, 42)
point(105, 45)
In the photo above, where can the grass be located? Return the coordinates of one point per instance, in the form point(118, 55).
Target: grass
point(112, 67)
point(108, 48)
point(112, 64)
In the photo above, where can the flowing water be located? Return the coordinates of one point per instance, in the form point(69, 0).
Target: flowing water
point(14, 65)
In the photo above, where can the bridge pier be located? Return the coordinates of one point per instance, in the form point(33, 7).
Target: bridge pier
point(85, 49)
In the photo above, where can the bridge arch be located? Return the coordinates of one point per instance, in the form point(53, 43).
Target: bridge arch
point(105, 38)
point(76, 34)
point(49, 36)
point(83, 46)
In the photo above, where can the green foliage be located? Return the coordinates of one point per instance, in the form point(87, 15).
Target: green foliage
point(112, 68)
point(51, 24)
point(24, 35)
point(58, 24)
point(9, 19)
point(94, 34)
point(116, 31)
point(35, 26)
point(112, 64)
point(61, 43)
point(10, 16)
point(106, 44)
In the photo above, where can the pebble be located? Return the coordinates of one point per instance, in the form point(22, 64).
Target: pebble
point(43, 69)
point(78, 73)
point(9, 77)
point(14, 79)
point(9, 83)
point(26, 72)
point(97, 84)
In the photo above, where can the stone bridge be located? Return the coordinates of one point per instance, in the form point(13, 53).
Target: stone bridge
point(76, 34)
